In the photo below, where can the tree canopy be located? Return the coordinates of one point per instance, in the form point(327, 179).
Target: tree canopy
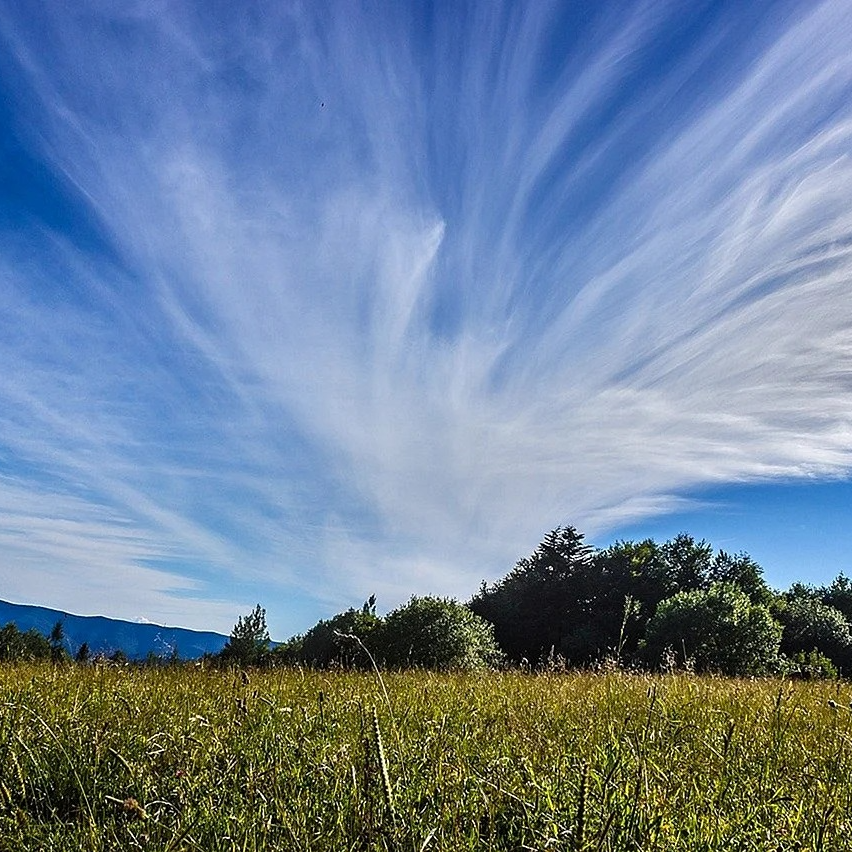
point(718, 629)
point(248, 644)
point(343, 640)
point(811, 625)
point(437, 633)
point(633, 604)
point(632, 601)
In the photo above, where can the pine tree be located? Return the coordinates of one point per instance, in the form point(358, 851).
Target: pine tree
point(248, 644)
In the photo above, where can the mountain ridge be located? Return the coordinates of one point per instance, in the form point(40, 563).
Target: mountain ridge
point(106, 635)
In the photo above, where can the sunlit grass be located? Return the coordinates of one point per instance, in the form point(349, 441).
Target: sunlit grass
point(183, 759)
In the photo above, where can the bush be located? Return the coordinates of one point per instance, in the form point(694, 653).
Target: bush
point(717, 629)
point(336, 641)
point(811, 666)
point(811, 625)
point(437, 633)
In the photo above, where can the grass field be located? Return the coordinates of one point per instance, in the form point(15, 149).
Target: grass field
point(182, 759)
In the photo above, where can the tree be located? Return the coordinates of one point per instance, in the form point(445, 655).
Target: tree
point(29, 645)
point(742, 571)
point(10, 642)
point(810, 625)
point(543, 602)
point(437, 633)
point(338, 641)
point(687, 562)
point(839, 595)
point(718, 629)
point(248, 644)
point(56, 640)
point(83, 653)
point(632, 579)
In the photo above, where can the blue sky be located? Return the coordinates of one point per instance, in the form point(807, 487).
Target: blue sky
point(301, 302)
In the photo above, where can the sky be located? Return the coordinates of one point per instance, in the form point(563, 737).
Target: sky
point(302, 302)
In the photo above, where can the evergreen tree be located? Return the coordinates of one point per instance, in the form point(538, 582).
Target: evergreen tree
point(540, 603)
point(248, 644)
point(56, 640)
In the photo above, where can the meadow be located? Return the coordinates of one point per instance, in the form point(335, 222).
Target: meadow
point(108, 758)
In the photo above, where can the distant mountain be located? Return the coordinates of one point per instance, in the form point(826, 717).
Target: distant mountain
point(106, 635)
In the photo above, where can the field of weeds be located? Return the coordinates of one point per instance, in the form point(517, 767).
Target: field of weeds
point(183, 759)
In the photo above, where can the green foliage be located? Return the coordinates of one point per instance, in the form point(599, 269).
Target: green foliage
point(99, 758)
point(810, 625)
point(742, 571)
point(248, 644)
point(83, 653)
point(27, 645)
point(631, 578)
point(56, 639)
point(583, 605)
point(540, 603)
point(812, 665)
point(688, 563)
point(717, 629)
point(437, 633)
point(839, 595)
point(802, 591)
point(338, 641)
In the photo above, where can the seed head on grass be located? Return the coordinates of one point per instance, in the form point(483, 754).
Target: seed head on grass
point(133, 809)
point(383, 764)
point(129, 806)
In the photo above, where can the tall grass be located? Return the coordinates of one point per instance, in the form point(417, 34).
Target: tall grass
point(103, 759)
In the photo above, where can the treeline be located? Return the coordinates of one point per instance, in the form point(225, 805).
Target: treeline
point(672, 605)
point(30, 645)
point(679, 605)
point(18, 645)
point(676, 605)
point(427, 632)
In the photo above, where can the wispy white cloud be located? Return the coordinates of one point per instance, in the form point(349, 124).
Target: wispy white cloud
point(381, 305)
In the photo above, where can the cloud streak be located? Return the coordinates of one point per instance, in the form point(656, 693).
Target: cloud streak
point(379, 297)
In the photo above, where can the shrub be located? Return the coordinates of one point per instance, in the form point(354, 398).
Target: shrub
point(811, 666)
point(437, 633)
point(717, 629)
point(811, 625)
point(336, 641)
